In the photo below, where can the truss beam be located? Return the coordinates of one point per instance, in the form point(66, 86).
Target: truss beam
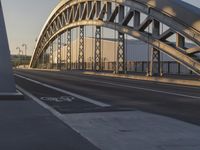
point(69, 50)
point(81, 62)
point(104, 13)
point(51, 55)
point(59, 46)
point(98, 63)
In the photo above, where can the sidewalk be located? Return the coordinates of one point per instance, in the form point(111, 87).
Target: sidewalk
point(25, 125)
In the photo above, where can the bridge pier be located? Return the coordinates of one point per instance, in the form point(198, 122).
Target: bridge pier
point(69, 51)
point(98, 64)
point(81, 63)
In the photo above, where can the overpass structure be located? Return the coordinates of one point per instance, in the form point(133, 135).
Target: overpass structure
point(127, 18)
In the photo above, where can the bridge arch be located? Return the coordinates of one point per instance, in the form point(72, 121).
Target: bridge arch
point(111, 14)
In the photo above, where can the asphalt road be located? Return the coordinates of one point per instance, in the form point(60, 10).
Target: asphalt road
point(179, 102)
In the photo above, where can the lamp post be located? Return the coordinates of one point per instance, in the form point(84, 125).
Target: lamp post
point(19, 56)
point(25, 51)
point(22, 60)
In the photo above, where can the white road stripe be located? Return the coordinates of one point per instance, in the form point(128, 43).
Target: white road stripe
point(53, 111)
point(66, 92)
point(144, 89)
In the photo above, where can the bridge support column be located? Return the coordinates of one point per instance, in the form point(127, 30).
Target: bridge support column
point(120, 64)
point(155, 53)
point(69, 50)
point(81, 65)
point(155, 59)
point(97, 56)
point(59, 52)
point(51, 55)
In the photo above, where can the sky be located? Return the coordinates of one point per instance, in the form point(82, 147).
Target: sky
point(25, 19)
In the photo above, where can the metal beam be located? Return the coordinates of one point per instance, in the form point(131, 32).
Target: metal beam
point(155, 67)
point(120, 54)
point(59, 52)
point(98, 65)
point(177, 23)
point(120, 64)
point(51, 55)
point(69, 50)
point(180, 41)
point(136, 20)
point(81, 65)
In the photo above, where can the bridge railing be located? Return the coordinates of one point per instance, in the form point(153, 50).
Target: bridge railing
point(168, 67)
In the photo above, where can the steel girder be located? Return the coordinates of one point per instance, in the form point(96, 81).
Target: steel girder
point(120, 54)
point(51, 55)
point(80, 13)
point(81, 62)
point(59, 47)
point(155, 67)
point(97, 57)
point(69, 50)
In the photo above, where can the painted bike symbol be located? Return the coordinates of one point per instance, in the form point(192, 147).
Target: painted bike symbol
point(58, 99)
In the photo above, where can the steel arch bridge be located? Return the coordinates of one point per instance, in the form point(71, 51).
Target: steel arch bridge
point(182, 20)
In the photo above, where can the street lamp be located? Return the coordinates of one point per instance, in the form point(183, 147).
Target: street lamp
point(18, 48)
point(25, 50)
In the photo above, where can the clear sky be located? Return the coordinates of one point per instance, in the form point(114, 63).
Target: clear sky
point(25, 18)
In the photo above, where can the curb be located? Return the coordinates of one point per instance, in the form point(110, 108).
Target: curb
point(145, 78)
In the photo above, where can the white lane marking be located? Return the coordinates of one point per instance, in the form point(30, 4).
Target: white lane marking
point(144, 89)
point(53, 111)
point(66, 92)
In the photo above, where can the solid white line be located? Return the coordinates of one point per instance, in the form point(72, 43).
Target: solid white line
point(144, 89)
point(66, 92)
point(53, 111)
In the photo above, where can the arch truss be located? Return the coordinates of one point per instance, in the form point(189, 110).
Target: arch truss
point(142, 19)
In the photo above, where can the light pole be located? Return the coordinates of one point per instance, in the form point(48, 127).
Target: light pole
point(25, 51)
point(18, 48)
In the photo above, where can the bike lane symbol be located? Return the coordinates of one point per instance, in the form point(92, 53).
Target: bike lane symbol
point(58, 99)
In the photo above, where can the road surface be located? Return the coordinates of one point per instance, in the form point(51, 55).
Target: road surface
point(74, 92)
